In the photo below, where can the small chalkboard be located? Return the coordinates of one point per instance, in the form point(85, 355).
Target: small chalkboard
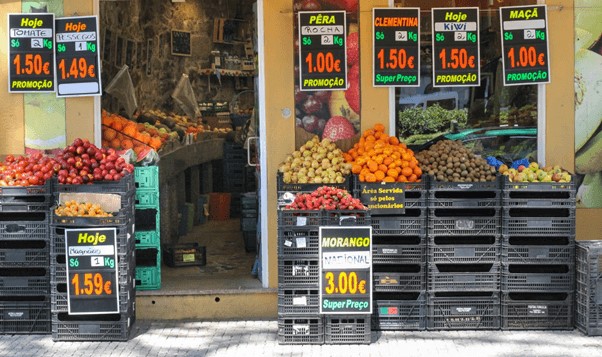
point(180, 43)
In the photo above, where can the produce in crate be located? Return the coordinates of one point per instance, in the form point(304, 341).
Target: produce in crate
point(451, 161)
point(315, 162)
point(82, 162)
point(535, 173)
point(326, 198)
point(73, 208)
point(29, 170)
point(378, 157)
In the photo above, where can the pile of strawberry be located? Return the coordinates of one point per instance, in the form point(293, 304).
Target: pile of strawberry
point(326, 198)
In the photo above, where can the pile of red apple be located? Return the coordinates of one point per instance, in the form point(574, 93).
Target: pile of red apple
point(82, 162)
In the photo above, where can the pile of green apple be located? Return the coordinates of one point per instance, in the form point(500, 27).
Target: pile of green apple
point(534, 173)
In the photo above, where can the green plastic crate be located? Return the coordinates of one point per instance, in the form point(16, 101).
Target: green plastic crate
point(148, 278)
point(148, 238)
point(146, 177)
point(146, 198)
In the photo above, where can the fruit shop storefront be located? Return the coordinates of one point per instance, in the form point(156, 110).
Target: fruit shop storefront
point(284, 111)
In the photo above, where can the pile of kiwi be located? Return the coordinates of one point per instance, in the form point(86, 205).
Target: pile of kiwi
point(451, 161)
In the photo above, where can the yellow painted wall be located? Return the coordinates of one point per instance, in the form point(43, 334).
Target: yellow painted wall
point(79, 111)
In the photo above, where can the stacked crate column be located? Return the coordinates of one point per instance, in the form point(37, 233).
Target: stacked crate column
point(147, 232)
point(94, 326)
point(588, 309)
point(398, 253)
point(24, 259)
point(464, 255)
point(538, 255)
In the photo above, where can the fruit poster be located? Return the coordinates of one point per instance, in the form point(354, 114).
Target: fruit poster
point(588, 107)
point(332, 114)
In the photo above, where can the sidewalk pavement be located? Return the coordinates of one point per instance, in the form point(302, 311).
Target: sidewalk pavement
point(260, 338)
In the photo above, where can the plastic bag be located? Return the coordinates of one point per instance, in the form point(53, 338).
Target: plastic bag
point(184, 96)
point(122, 88)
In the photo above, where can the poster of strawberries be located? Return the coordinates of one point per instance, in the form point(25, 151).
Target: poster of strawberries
point(332, 114)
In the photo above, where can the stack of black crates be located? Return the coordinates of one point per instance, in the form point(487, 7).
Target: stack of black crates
point(148, 232)
point(398, 258)
point(464, 255)
point(248, 220)
point(588, 307)
point(299, 318)
point(237, 176)
point(538, 255)
point(94, 327)
point(24, 259)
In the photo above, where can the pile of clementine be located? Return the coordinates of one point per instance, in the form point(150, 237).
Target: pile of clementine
point(378, 157)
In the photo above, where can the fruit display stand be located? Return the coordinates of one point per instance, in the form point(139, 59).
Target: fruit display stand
point(113, 196)
point(538, 255)
point(24, 259)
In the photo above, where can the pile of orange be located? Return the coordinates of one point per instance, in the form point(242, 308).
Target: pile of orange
point(120, 133)
point(378, 157)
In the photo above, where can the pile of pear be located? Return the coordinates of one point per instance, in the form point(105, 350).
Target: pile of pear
point(535, 173)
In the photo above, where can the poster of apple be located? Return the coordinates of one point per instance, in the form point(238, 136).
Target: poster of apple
point(588, 107)
point(328, 112)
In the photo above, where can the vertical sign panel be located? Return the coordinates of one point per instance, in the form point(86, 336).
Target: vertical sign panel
point(77, 56)
point(345, 270)
point(92, 271)
point(525, 44)
point(31, 53)
point(456, 56)
point(322, 50)
point(396, 47)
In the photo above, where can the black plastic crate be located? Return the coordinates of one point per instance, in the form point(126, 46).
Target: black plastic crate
point(300, 330)
point(250, 241)
point(413, 223)
point(298, 272)
point(24, 253)
point(125, 239)
point(288, 218)
point(464, 249)
point(25, 315)
point(347, 329)
point(123, 217)
point(184, 254)
point(399, 253)
point(282, 187)
point(399, 311)
point(463, 311)
point(538, 277)
point(24, 281)
point(124, 187)
point(25, 198)
point(435, 185)
point(59, 300)
point(538, 249)
point(25, 226)
point(539, 194)
point(538, 221)
point(537, 311)
point(233, 151)
point(109, 327)
point(248, 224)
point(588, 315)
point(399, 278)
point(298, 241)
point(460, 198)
point(463, 277)
point(464, 222)
point(298, 302)
point(347, 218)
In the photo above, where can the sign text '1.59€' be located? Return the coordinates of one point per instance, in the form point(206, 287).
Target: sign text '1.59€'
point(396, 47)
point(525, 44)
point(456, 56)
point(31, 53)
point(77, 56)
point(322, 50)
